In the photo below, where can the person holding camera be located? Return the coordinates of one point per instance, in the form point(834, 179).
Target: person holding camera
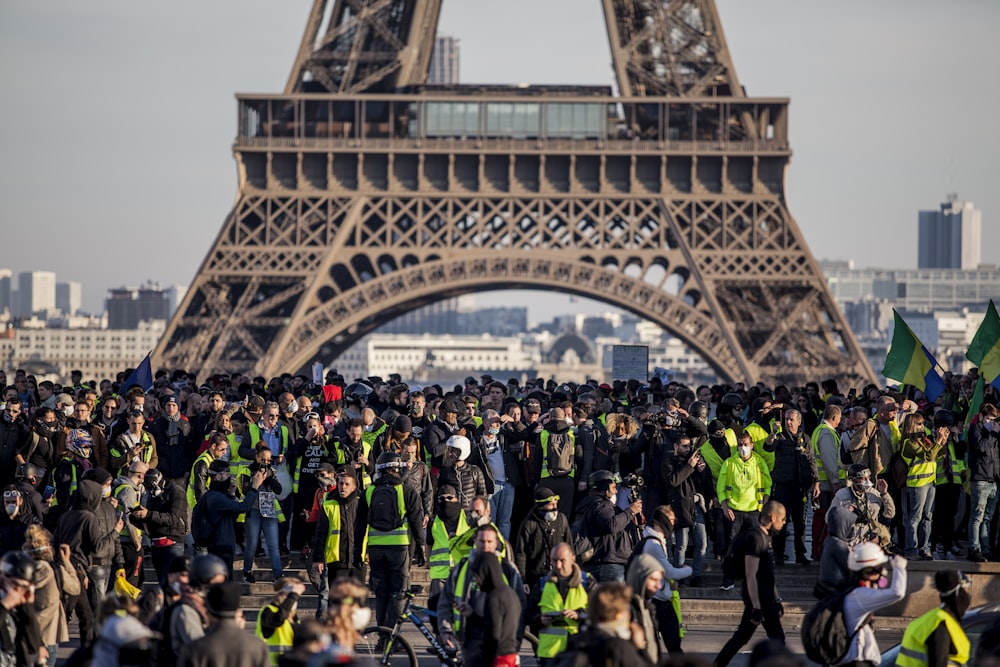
point(165, 518)
point(134, 443)
point(690, 483)
point(263, 517)
point(611, 530)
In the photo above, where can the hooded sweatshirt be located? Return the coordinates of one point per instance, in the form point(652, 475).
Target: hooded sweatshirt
point(642, 567)
point(833, 572)
point(655, 547)
point(80, 528)
point(503, 610)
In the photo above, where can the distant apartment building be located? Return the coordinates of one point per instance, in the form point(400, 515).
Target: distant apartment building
point(950, 238)
point(6, 291)
point(128, 306)
point(69, 297)
point(99, 353)
point(36, 292)
point(444, 61)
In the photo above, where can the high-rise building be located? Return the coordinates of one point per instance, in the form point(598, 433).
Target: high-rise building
point(36, 292)
point(950, 238)
point(6, 287)
point(444, 61)
point(69, 297)
point(128, 306)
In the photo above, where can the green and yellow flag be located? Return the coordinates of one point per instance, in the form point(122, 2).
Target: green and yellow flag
point(910, 362)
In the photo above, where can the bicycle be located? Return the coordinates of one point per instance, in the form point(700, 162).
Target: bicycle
point(386, 645)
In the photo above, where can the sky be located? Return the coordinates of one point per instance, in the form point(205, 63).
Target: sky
point(117, 118)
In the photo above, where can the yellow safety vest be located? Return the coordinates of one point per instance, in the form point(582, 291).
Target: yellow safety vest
point(913, 651)
point(280, 642)
point(146, 455)
point(957, 468)
point(366, 449)
point(277, 506)
point(441, 561)
point(124, 531)
point(823, 426)
point(712, 459)
point(369, 437)
point(552, 639)
point(461, 546)
point(398, 537)
point(743, 483)
point(919, 472)
point(205, 456)
point(545, 454)
point(759, 434)
point(72, 483)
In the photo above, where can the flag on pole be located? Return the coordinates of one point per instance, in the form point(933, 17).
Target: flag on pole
point(984, 351)
point(142, 376)
point(975, 403)
point(910, 362)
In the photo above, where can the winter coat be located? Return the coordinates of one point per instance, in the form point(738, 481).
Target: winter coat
point(984, 459)
point(168, 515)
point(468, 480)
point(176, 453)
point(111, 554)
point(611, 530)
point(225, 644)
point(353, 527)
point(221, 511)
point(79, 527)
point(534, 544)
point(794, 461)
point(833, 573)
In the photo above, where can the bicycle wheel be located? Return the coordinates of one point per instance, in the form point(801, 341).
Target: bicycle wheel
point(383, 649)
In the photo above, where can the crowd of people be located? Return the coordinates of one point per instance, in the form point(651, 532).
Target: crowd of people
point(577, 512)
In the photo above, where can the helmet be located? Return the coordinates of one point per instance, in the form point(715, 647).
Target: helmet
point(857, 471)
point(715, 426)
point(80, 442)
point(154, 481)
point(866, 554)
point(389, 462)
point(358, 390)
point(735, 400)
point(600, 480)
point(206, 567)
point(698, 409)
point(18, 565)
point(27, 471)
point(462, 444)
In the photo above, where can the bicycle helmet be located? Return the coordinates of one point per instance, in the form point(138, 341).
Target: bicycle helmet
point(205, 568)
point(600, 480)
point(18, 565)
point(865, 555)
point(154, 482)
point(857, 471)
point(80, 442)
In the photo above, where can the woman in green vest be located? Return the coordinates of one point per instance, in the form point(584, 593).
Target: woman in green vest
point(920, 453)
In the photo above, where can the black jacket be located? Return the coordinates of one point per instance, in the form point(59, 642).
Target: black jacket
point(468, 480)
point(534, 544)
point(353, 526)
point(175, 454)
point(168, 515)
point(222, 511)
point(79, 528)
point(794, 460)
point(611, 530)
point(14, 437)
point(984, 459)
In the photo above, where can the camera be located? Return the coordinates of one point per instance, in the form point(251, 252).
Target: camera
point(633, 481)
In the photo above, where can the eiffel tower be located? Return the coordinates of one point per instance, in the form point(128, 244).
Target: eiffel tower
point(365, 193)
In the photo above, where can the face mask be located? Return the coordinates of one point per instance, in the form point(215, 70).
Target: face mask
point(107, 492)
point(744, 452)
point(326, 482)
point(551, 515)
point(176, 587)
point(360, 618)
point(68, 411)
point(494, 430)
point(611, 495)
point(368, 429)
point(865, 485)
point(474, 517)
point(10, 508)
point(450, 509)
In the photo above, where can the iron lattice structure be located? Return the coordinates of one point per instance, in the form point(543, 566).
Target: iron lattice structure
point(364, 194)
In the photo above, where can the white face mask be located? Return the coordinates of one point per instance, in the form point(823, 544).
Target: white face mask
point(107, 492)
point(551, 515)
point(744, 451)
point(360, 617)
point(368, 429)
point(68, 411)
point(494, 430)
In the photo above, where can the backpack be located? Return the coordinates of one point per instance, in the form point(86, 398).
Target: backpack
point(561, 454)
point(582, 546)
point(637, 550)
point(824, 632)
point(383, 509)
point(202, 529)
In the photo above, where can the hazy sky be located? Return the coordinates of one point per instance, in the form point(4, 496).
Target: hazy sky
point(117, 118)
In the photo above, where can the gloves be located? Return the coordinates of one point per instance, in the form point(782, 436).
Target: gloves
point(756, 617)
point(780, 608)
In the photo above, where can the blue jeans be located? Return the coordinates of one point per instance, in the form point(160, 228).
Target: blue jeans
point(984, 504)
point(501, 506)
point(919, 518)
point(603, 572)
point(681, 535)
point(255, 525)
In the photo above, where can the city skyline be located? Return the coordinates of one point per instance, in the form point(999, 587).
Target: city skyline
point(128, 137)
